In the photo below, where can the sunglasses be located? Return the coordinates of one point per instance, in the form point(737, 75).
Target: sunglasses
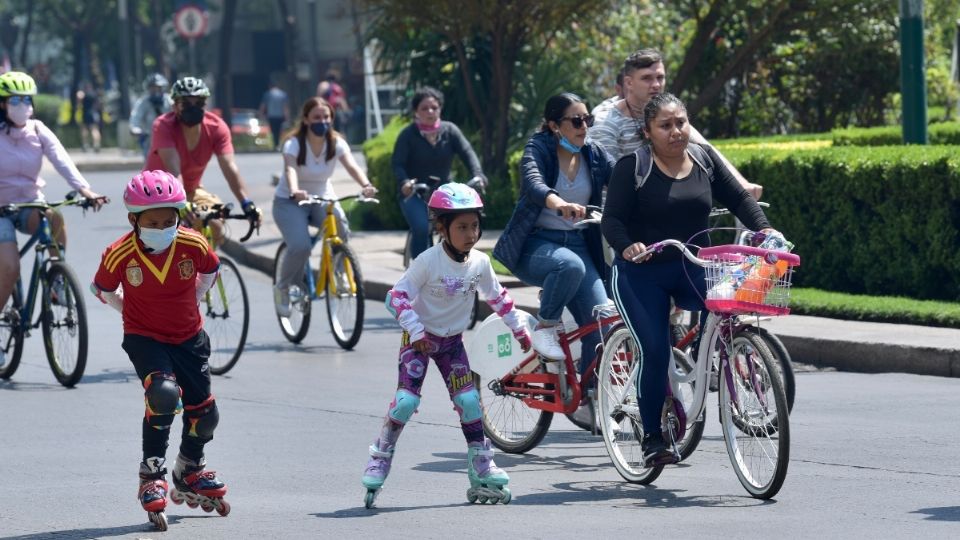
point(17, 100)
point(578, 121)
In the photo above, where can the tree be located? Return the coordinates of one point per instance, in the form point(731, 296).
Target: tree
point(224, 86)
point(488, 39)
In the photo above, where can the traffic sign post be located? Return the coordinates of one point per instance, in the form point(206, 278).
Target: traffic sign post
point(191, 22)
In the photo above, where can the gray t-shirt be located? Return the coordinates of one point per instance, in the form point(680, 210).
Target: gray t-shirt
point(618, 134)
point(274, 101)
point(576, 191)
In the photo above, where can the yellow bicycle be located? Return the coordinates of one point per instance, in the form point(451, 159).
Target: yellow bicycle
point(338, 279)
point(225, 307)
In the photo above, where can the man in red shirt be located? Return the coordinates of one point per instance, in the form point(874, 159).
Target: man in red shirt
point(155, 276)
point(185, 139)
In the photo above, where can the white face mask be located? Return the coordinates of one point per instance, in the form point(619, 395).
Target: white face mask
point(157, 240)
point(19, 114)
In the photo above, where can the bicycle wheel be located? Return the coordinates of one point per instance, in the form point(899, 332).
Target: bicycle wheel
point(64, 318)
point(345, 305)
point(619, 409)
point(686, 393)
point(474, 312)
point(295, 326)
point(783, 363)
point(227, 318)
point(11, 336)
point(755, 430)
point(510, 424)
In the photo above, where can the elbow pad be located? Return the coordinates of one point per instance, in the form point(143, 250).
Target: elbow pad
point(398, 304)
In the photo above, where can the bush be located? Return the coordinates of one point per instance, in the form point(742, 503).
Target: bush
point(378, 152)
point(46, 108)
point(939, 133)
point(879, 220)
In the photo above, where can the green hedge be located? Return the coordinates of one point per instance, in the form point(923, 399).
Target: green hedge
point(873, 220)
point(940, 133)
point(889, 309)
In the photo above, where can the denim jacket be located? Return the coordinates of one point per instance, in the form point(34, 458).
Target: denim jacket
point(539, 168)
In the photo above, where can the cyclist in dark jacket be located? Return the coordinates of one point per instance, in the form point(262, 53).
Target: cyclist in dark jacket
point(541, 244)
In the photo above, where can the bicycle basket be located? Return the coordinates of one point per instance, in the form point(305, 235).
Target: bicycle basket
point(748, 280)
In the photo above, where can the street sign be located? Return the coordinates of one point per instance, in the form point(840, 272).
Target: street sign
point(190, 21)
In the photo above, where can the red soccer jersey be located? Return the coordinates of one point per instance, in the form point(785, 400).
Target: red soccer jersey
point(159, 291)
point(167, 133)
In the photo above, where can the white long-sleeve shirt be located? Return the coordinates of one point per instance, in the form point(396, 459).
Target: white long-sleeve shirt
point(440, 291)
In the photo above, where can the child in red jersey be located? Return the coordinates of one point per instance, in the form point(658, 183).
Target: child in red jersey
point(155, 276)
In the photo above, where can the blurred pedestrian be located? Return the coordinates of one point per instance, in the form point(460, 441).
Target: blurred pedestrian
point(148, 108)
point(275, 107)
point(336, 96)
point(90, 109)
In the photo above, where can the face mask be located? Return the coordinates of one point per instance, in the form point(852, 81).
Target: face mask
point(157, 240)
point(19, 114)
point(156, 99)
point(320, 128)
point(191, 115)
point(569, 146)
point(429, 128)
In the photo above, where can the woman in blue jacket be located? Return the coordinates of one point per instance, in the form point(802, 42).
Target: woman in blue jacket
point(561, 175)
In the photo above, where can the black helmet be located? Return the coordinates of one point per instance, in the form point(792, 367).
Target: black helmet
point(189, 87)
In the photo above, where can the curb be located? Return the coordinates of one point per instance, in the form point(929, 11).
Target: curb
point(862, 357)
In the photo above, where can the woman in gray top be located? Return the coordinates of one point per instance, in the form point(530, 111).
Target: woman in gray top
point(426, 149)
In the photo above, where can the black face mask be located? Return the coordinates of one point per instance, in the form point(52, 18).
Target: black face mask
point(191, 115)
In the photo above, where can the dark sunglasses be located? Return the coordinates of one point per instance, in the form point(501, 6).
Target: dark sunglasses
point(578, 121)
point(17, 100)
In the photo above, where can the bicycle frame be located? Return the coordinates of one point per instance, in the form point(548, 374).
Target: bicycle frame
point(564, 392)
point(329, 238)
point(40, 241)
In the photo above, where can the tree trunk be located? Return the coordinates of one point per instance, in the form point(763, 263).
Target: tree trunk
point(26, 35)
point(706, 28)
point(77, 68)
point(289, 24)
point(225, 83)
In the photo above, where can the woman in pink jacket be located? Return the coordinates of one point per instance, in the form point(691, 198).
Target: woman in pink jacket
point(23, 143)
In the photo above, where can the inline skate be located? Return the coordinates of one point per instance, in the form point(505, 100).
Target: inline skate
point(378, 467)
point(488, 483)
point(196, 486)
point(153, 491)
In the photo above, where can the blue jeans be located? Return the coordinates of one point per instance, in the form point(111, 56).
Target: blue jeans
point(415, 212)
point(560, 263)
point(642, 293)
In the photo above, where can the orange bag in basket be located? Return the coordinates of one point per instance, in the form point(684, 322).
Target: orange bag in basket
point(761, 279)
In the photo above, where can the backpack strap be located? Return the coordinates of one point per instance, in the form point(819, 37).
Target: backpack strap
point(643, 165)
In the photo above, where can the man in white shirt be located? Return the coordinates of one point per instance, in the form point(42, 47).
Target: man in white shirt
point(621, 131)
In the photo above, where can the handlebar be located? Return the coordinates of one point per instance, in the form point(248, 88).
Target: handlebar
point(717, 212)
point(72, 199)
point(592, 216)
point(223, 211)
point(422, 188)
point(317, 199)
point(657, 247)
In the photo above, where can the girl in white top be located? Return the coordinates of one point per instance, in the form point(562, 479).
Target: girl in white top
point(310, 155)
point(433, 301)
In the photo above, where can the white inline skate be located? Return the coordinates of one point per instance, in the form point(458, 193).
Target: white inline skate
point(488, 483)
point(378, 467)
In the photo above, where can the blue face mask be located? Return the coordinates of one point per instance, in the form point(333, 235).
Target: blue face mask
point(320, 128)
point(569, 146)
point(157, 240)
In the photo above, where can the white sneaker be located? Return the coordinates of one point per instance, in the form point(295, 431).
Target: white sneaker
point(546, 342)
point(281, 299)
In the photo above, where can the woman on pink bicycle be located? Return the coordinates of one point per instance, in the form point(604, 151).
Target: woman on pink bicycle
point(664, 191)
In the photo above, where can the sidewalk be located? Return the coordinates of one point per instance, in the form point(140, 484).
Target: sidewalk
point(844, 345)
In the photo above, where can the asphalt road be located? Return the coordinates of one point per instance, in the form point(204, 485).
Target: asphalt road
point(872, 455)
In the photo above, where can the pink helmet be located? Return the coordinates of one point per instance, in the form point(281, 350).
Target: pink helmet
point(455, 198)
point(154, 189)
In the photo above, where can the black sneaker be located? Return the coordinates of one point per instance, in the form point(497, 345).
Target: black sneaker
point(656, 451)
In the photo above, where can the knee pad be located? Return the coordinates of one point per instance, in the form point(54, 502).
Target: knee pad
point(161, 396)
point(202, 419)
point(404, 404)
point(468, 405)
